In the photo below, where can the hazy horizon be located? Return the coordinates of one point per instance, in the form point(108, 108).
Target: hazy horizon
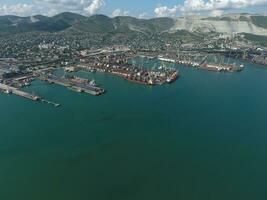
point(173, 17)
point(138, 8)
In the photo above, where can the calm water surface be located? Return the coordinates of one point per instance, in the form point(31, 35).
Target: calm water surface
point(202, 138)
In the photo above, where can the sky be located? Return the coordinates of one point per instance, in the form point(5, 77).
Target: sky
point(135, 8)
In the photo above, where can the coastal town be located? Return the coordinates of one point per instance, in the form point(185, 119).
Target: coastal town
point(116, 60)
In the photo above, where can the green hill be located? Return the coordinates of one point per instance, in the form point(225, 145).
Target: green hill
point(95, 24)
point(260, 21)
point(256, 39)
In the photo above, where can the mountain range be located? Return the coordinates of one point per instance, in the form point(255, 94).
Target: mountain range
point(247, 23)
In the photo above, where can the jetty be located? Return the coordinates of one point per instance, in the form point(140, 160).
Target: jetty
point(16, 91)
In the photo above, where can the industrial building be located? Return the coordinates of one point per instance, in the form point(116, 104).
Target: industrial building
point(7, 73)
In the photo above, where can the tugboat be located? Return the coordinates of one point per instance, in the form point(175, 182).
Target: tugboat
point(92, 83)
point(238, 68)
point(80, 90)
point(151, 82)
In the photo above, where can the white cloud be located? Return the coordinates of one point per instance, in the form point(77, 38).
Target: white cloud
point(216, 13)
point(94, 6)
point(164, 11)
point(142, 15)
point(52, 7)
point(118, 12)
point(209, 5)
point(16, 9)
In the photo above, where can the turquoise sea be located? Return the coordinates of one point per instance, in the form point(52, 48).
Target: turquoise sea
point(202, 138)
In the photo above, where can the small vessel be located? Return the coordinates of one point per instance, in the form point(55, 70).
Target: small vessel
point(173, 77)
point(8, 91)
point(70, 69)
point(235, 68)
point(93, 70)
point(27, 84)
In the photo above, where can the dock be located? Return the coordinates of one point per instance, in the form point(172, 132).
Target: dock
point(82, 88)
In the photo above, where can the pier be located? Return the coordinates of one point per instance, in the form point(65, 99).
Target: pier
point(12, 90)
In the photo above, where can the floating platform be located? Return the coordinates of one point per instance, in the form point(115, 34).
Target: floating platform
point(51, 103)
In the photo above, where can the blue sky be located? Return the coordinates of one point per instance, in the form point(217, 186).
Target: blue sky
point(137, 8)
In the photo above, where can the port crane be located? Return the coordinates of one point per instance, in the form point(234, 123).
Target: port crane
point(203, 60)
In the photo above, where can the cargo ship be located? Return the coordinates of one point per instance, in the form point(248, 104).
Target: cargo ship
point(161, 58)
point(222, 68)
point(143, 82)
point(76, 79)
